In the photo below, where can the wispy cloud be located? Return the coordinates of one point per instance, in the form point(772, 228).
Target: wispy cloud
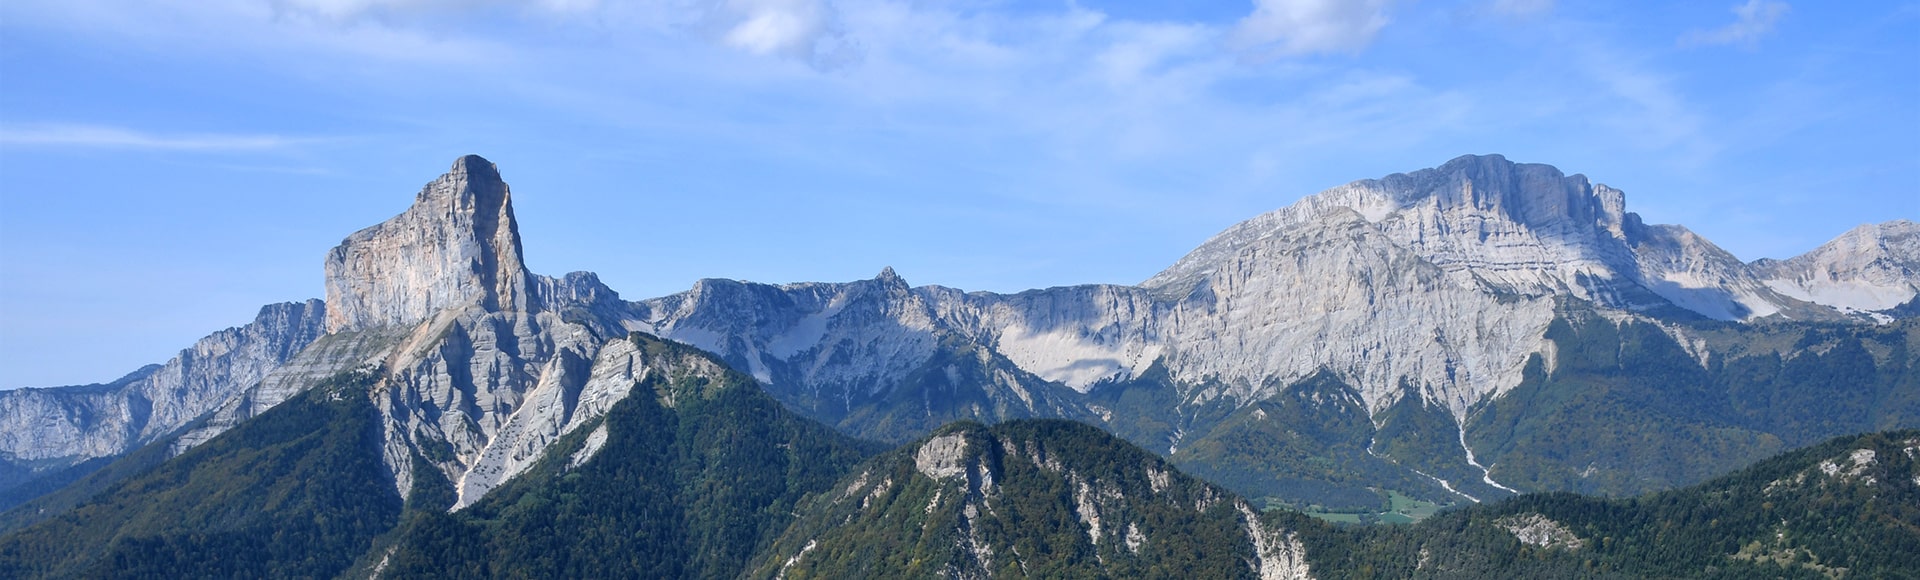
point(1752, 20)
point(98, 136)
point(1295, 27)
point(349, 9)
point(808, 30)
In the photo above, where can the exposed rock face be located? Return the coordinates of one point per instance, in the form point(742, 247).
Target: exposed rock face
point(1440, 283)
point(1871, 267)
point(483, 363)
point(1443, 279)
point(570, 393)
point(60, 426)
point(457, 245)
point(1278, 553)
point(1032, 498)
point(942, 457)
point(1534, 529)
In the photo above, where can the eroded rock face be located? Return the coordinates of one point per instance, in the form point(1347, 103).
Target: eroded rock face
point(485, 364)
point(482, 364)
point(1515, 229)
point(1537, 530)
point(942, 457)
point(458, 244)
point(60, 426)
point(1278, 553)
point(1442, 280)
point(1871, 267)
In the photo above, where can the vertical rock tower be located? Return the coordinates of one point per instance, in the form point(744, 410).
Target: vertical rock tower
point(458, 244)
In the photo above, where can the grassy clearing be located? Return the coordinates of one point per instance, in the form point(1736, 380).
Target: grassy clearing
point(1401, 510)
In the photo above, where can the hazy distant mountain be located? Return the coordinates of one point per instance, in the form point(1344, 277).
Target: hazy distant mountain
point(48, 435)
point(1871, 267)
point(1454, 334)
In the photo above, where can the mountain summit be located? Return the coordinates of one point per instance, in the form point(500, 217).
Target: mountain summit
point(1516, 228)
point(1453, 334)
point(1871, 267)
point(457, 244)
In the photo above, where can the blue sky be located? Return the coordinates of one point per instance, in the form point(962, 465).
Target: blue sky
point(168, 166)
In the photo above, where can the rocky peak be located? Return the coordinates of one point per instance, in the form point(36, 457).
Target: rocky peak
point(1461, 214)
point(1871, 267)
point(888, 278)
point(1475, 188)
point(458, 244)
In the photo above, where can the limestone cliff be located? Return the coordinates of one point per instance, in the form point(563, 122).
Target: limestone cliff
point(1438, 284)
point(1871, 267)
point(54, 427)
point(457, 245)
point(480, 362)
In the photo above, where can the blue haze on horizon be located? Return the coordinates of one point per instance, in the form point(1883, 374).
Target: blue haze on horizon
point(169, 166)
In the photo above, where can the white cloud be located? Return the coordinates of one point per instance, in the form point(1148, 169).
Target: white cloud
point(98, 136)
point(1295, 27)
point(1752, 20)
point(805, 29)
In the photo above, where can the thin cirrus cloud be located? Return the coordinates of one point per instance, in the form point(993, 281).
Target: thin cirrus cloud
point(1281, 28)
point(348, 9)
point(1753, 20)
point(105, 137)
point(806, 30)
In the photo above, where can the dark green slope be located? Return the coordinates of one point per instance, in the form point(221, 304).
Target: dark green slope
point(1029, 498)
point(690, 490)
point(1617, 409)
point(23, 481)
point(1013, 500)
point(1314, 445)
point(1849, 507)
point(299, 491)
point(1626, 409)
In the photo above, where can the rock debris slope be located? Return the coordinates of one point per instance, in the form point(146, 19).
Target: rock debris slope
point(482, 363)
point(1871, 267)
point(1420, 297)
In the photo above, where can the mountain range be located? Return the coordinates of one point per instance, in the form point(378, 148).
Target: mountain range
point(1453, 335)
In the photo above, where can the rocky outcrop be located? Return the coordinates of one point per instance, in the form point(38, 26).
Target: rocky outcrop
point(1438, 284)
point(1534, 529)
point(481, 363)
point(1442, 279)
point(55, 427)
point(457, 245)
point(1516, 229)
point(1031, 498)
point(1871, 267)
